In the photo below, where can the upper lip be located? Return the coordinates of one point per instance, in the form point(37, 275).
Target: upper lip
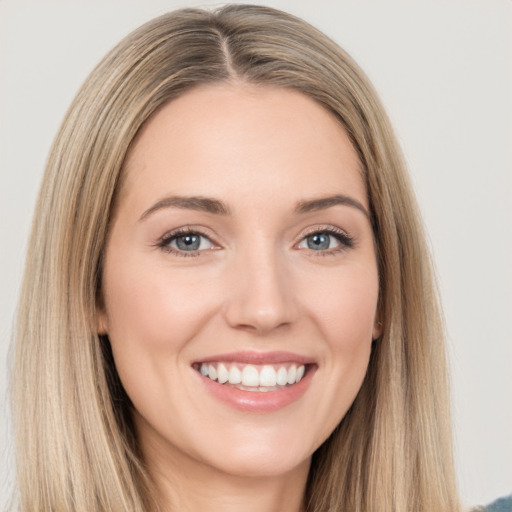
point(257, 358)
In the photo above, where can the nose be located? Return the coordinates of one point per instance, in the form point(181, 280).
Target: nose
point(261, 298)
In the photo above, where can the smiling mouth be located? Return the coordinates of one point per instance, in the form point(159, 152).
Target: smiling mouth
point(251, 377)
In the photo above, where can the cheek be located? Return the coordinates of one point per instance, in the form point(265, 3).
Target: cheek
point(346, 308)
point(148, 309)
point(349, 333)
point(345, 315)
point(150, 320)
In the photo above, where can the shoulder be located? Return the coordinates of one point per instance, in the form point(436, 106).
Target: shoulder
point(501, 505)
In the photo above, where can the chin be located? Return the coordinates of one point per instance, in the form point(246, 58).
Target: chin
point(261, 465)
point(268, 452)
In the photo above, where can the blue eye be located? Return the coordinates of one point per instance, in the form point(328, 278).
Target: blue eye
point(326, 240)
point(186, 242)
point(320, 241)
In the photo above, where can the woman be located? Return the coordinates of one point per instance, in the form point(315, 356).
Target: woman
point(234, 305)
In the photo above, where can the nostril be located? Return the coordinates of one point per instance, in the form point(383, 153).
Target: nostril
point(262, 325)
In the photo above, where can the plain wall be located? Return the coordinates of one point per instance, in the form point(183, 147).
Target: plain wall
point(444, 72)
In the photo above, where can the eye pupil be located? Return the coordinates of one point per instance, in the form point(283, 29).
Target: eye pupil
point(188, 242)
point(318, 241)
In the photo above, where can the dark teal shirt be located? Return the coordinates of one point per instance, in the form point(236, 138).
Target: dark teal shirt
point(501, 505)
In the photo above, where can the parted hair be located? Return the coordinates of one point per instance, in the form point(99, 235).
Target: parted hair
point(76, 448)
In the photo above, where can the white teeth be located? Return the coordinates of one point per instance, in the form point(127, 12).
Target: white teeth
point(235, 375)
point(268, 376)
point(222, 373)
point(264, 378)
point(292, 372)
point(282, 376)
point(250, 376)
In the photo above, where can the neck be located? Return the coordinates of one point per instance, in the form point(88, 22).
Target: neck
point(230, 494)
point(188, 485)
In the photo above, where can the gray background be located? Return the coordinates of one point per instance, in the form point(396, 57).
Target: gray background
point(444, 72)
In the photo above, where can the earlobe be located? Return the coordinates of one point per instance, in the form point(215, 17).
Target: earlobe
point(377, 330)
point(101, 318)
point(101, 323)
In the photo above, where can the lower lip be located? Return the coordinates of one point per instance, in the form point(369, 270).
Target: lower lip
point(258, 401)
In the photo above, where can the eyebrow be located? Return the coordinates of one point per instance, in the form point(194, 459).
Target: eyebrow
point(199, 203)
point(323, 203)
point(217, 207)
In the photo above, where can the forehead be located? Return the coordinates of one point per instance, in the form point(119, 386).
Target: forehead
point(243, 142)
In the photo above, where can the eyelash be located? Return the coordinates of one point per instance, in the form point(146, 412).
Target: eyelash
point(345, 241)
point(164, 242)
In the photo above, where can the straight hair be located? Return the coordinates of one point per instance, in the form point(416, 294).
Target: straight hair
point(74, 438)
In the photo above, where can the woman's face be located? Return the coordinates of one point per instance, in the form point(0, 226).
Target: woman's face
point(240, 281)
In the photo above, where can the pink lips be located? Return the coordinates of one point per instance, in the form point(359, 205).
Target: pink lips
point(257, 401)
point(259, 358)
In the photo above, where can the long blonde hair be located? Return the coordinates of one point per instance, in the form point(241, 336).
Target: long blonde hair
point(75, 444)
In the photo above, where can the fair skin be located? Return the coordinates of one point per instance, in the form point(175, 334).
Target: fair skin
point(258, 276)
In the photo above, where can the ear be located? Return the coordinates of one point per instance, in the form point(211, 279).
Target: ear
point(101, 322)
point(101, 317)
point(377, 329)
